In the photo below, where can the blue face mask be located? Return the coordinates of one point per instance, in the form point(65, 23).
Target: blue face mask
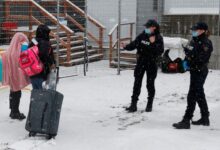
point(147, 31)
point(195, 34)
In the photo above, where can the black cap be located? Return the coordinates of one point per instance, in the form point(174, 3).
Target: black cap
point(151, 23)
point(200, 25)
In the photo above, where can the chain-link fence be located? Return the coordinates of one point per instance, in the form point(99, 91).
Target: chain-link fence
point(178, 16)
point(89, 29)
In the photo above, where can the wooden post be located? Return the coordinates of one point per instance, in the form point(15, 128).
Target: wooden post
point(110, 50)
point(68, 52)
point(30, 21)
point(7, 15)
point(65, 8)
point(7, 10)
point(101, 40)
point(131, 31)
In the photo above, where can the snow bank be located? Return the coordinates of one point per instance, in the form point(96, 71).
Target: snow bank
point(3, 48)
point(175, 46)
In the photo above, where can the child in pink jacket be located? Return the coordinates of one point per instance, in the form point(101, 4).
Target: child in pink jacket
point(13, 75)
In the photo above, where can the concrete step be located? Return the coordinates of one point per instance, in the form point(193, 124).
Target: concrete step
point(123, 65)
point(77, 55)
point(61, 34)
point(74, 37)
point(73, 43)
point(128, 54)
point(77, 42)
point(79, 61)
point(73, 49)
point(127, 59)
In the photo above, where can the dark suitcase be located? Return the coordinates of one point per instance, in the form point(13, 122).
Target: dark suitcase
point(44, 112)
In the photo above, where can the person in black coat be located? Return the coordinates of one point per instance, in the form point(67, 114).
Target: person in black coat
point(198, 53)
point(150, 46)
point(45, 54)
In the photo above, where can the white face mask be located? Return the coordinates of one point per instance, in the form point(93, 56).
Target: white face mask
point(147, 31)
point(195, 34)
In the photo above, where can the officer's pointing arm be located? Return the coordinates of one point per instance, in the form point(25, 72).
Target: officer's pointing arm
point(134, 44)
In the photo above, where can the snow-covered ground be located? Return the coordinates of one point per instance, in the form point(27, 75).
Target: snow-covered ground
point(93, 117)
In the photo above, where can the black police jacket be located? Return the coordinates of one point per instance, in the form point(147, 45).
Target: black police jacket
point(199, 52)
point(145, 49)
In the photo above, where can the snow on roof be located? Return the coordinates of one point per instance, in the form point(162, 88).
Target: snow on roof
point(191, 7)
point(191, 11)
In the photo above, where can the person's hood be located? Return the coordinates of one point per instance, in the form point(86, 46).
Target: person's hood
point(43, 32)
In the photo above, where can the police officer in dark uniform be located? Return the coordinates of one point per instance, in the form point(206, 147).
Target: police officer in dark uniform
point(198, 53)
point(149, 45)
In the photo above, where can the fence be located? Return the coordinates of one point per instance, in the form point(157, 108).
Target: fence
point(89, 29)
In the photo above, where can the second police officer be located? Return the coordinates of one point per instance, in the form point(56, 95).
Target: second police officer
point(198, 53)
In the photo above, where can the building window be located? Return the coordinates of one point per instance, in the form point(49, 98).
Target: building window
point(155, 5)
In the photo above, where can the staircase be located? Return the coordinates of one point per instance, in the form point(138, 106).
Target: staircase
point(71, 42)
point(127, 58)
point(75, 54)
point(77, 50)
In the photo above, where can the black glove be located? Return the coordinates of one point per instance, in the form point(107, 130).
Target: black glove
point(188, 50)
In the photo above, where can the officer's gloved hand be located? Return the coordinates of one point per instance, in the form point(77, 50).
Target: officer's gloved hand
point(186, 64)
point(188, 50)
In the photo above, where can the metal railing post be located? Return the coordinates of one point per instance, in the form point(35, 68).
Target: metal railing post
point(219, 19)
point(119, 35)
point(86, 57)
point(58, 30)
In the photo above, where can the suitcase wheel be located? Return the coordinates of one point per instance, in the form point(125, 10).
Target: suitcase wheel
point(32, 134)
point(51, 136)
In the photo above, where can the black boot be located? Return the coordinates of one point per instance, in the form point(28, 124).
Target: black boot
point(203, 121)
point(184, 124)
point(17, 115)
point(14, 106)
point(132, 108)
point(149, 105)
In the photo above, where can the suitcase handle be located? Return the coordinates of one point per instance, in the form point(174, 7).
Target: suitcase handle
point(58, 73)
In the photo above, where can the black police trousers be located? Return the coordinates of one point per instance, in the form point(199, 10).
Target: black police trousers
point(196, 94)
point(144, 65)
